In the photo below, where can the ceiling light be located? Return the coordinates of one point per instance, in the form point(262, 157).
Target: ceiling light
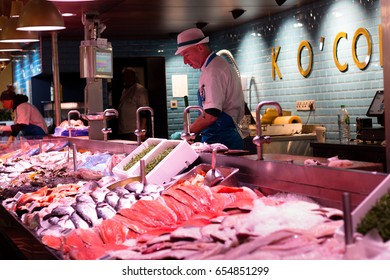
point(69, 14)
point(298, 25)
point(280, 2)
point(10, 47)
point(5, 57)
point(16, 8)
point(11, 35)
point(236, 13)
point(40, 15)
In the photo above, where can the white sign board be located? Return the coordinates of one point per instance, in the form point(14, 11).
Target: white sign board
point(179, 85)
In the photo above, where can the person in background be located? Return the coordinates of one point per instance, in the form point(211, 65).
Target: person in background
point(134, 95)
point(219, 91)
point(27, 118)
point(10, 92)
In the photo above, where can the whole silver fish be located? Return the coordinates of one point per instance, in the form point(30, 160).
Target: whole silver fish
point(150, 188)
point(99, 194)
point(136, 187)
point(112, 198)
point(78, 221)
point(85, 198)
point(104, 210)
point(125, 201)
point(87, 212)
point(54, 230)
point(66, 222)
point(120, 191)
point(62, 210)
point(49, 221)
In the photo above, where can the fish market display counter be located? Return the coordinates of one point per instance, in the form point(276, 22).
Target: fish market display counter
point(270, 176)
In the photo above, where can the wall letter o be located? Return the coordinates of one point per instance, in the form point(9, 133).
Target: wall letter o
point(358, 33)
point(305, 44)
point(341, 67)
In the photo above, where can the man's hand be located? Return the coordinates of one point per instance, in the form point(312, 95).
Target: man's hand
point(3, 146)
point(9, 142)
point(5, 128)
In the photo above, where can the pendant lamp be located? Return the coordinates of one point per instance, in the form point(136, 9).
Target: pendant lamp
point(16, 8)
point(5, 57)
point(40, 15)
point(9, 34)
point(10, 47)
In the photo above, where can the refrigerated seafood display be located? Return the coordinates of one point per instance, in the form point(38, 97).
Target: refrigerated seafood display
point(261, 210)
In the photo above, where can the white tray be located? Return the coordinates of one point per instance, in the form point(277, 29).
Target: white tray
point(365, 206)
point(367, 246)
point(118, 169)
point(175, 162)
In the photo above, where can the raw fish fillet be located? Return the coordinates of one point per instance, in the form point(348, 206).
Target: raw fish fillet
point(157, 210)
point(195, 205)
point(71, 242)
point(92, 253)
point(204, 195)
point(90, 237)
point(112, 232)
point(151, 213)
point(132, 225)
point(53, 242)
point(183, 212)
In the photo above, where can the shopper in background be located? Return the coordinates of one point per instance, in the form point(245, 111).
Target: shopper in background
point(10, 93)
point(134, 95)
point(27, 118)
point(219, 91)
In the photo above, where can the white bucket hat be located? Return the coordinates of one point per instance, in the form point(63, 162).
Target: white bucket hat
point(189, 38)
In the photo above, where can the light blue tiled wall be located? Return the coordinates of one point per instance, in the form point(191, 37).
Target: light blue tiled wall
point(326, 84)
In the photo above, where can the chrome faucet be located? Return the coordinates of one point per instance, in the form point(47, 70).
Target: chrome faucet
point(139, 132)
point(71, 127)
point(187, 135)
point(107, 114)
point(259, 140)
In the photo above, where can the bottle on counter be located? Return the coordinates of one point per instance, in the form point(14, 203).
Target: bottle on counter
point(51, 92)
point(344, 125)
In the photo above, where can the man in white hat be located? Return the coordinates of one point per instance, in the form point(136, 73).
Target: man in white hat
point(219, 91)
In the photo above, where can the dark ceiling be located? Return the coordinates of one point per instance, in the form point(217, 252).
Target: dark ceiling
point(159, 19)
